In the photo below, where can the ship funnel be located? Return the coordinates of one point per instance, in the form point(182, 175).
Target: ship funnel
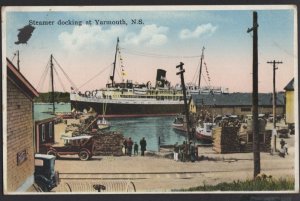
point(160, 78)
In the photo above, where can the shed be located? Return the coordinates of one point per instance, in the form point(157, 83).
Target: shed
point(44, 130)
point(19, 164)
point(237, 103)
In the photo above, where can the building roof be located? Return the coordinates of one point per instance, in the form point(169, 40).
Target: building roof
point(236, 99)
point(42, 116)
point(16, 77)
point(290, 86)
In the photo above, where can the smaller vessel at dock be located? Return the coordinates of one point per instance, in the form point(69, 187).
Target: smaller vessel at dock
point(179, 123)
point(204, 131)
point(103, 124)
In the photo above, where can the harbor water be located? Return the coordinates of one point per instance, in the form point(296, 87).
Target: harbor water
point(154, 129)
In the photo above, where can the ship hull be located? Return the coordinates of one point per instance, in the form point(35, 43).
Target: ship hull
point(179, 127)
point(203, 137)
point(128, 110)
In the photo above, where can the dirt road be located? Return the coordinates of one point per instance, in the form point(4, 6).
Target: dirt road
point(158, 174)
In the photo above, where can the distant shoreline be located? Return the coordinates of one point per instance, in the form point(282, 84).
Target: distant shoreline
point(59, 97)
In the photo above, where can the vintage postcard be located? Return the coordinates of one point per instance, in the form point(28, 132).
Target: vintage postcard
point(150, 99)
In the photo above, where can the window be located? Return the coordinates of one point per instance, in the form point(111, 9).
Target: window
point(43, 132)
point(50, 130)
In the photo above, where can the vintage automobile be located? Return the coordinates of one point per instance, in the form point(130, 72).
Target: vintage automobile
point(44, 174)
point(79, 145)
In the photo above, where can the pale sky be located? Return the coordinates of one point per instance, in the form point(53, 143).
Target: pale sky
point(165, 39)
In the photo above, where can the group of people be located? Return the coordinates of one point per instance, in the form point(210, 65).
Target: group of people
point(128, 144)
point(185, 152)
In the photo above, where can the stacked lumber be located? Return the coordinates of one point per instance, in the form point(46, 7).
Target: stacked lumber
point(261, 125)
point(264, 138)
point(267, 144)
point(226, 140)
point(108, 144)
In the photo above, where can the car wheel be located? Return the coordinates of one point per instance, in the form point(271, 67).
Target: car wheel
point(43, 187)
point(84, 155)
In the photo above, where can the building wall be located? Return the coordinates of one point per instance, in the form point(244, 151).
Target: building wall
point(242, 110)
point(289, 106)
point(48, 136)
point(19, 137)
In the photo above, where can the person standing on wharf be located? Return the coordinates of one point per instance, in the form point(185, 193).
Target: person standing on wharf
point(143, 144)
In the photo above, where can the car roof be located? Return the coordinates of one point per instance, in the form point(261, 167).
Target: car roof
point(77, 137)
point(43, 156)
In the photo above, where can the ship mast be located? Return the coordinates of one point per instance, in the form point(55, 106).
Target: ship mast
point(202, 56)
point(52, 83)
point(113, 75)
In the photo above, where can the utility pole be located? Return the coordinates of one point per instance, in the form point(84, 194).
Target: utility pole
point(18, 61)
point(52, 82)
point(200, 73)
point(274, 101)
point(181, 72)
point(274, 89)
point(256, 150)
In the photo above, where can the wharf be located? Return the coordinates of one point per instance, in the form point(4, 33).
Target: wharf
point(158, 172)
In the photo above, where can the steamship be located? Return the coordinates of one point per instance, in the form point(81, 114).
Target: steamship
point(129, 99)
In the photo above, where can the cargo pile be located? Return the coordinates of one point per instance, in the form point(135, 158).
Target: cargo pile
point(236, 138)
point(264, 138)
point(85, 124)
point(108, 144)
point(225, 139)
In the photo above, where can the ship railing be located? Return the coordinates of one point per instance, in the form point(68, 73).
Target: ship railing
point(77, 97)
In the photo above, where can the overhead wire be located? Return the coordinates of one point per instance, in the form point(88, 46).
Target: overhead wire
point(147, 54)
point(205, 80)
point(43, 77)
point(103, 70)
point(134, 52)
point(196, 75)
point(66, 75)
point(60, 81)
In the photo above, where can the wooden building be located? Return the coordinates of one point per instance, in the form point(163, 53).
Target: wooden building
point(289, 106)
point(44, 131)
point(18, 132)
point(236, 103)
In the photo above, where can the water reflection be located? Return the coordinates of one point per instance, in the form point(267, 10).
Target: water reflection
point(152, 128)
point(149, 127)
